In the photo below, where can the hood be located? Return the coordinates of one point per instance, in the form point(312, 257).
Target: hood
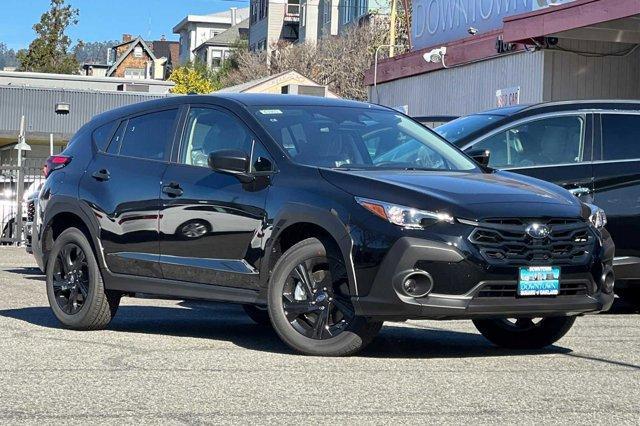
point(467, 195)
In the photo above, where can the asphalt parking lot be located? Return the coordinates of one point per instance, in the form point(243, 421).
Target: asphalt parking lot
point(174, 362)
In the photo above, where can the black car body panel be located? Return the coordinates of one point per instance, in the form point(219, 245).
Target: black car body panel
point(166, 228)
point(606, 174)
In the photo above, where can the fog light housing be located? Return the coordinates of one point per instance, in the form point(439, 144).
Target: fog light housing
point(608, 281)
point(417, 284)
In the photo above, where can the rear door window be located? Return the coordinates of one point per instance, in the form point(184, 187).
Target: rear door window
point(148, 136)
point(620, 136)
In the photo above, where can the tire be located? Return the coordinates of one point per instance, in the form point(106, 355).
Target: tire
point(259, 314)
point(344, 332)
point(526, 335)
point(95, 307)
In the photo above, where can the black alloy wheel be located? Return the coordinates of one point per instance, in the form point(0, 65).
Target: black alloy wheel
point(71, 279)
point(315, 298)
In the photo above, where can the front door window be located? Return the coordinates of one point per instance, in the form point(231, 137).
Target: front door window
point(547, 141)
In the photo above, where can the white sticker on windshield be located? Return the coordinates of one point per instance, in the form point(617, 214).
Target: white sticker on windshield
point(270, 111)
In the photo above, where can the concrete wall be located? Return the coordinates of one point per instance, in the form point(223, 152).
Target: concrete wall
point(576, 76)
point(465, 89)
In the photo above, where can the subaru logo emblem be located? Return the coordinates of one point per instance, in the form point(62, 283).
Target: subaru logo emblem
point(536, 230)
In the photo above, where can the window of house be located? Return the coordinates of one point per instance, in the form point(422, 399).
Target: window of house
point(363, 6)
point(254, 11)
point(547, 141)
point(264, 7)
point(146, 136)
point(347, 15)
point(293, 7)
point(134, 73)
point(620, 136)
point(326, 12)
point(216, 58)
point(137, 51)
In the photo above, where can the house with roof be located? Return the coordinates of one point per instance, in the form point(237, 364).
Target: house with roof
point(136, 59)
point(197, 29)
point(286, 83)
point(215, 51)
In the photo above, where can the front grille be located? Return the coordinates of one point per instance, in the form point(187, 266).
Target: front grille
point(505, 242)
point(31, 210)
point(510, 289)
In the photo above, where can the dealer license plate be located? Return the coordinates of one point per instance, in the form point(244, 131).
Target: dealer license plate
point(539, 281)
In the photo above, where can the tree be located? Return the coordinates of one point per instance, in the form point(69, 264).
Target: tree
point(192, 78)
point(338, 62)
point(7, 57)
point(50, 51)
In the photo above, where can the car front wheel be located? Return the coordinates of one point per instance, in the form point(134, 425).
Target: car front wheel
point(310, 306)
point(524, 333)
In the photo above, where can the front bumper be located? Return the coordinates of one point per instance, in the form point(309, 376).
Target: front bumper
point(475, 290)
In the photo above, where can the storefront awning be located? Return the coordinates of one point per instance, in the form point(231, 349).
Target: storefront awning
point(603, 20)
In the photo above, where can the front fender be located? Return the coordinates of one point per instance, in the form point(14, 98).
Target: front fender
point(328, 219)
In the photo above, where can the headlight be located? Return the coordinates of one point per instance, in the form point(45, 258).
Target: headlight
point(597, 217)
point(407, 217)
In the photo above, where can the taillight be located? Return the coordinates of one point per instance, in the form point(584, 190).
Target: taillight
point(55, 162)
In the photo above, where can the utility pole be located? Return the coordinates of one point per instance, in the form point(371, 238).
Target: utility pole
point(392, 30)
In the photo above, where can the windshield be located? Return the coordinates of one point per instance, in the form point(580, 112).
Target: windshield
point(459, 128)
point(358, 138)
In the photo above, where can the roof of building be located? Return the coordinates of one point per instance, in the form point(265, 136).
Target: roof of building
point(167, 49)
point(228, 37)
point(223, 17)
point(132, 45)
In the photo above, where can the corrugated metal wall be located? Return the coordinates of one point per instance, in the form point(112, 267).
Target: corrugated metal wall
point(465, 89)
point(582, 76)
point(38, 106)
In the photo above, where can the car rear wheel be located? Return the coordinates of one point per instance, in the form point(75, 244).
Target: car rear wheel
point(75, 289)
point(524, 333)
point(310, 306)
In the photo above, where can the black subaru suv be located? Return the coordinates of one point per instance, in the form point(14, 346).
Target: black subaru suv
point(324, 217)
point(590, 147)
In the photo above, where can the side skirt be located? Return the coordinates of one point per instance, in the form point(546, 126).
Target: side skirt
point(179, 289)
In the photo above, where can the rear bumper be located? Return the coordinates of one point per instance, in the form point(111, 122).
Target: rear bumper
point(582, 290)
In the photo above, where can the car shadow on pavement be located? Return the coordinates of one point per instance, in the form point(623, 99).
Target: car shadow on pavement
point(29, 273)
point(221, 321)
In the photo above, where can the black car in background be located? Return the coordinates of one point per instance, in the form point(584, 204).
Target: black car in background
point(432, 121)
point(324, 217)
point(591, 148)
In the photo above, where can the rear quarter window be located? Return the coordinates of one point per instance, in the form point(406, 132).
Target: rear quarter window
point(101, 136)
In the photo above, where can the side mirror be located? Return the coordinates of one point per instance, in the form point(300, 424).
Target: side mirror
point(480, 156)
point(233, 162)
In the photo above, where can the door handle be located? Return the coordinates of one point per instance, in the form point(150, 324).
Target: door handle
point(580, 191)
point(172, 190)
point(101, 175)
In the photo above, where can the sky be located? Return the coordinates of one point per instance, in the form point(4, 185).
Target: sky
point(106, 19)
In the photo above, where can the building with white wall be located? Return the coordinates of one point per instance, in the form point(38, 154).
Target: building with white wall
point(581, 49)
point(197, 29)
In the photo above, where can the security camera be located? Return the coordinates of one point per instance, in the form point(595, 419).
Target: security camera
point(472, 31)
point(436, 55)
